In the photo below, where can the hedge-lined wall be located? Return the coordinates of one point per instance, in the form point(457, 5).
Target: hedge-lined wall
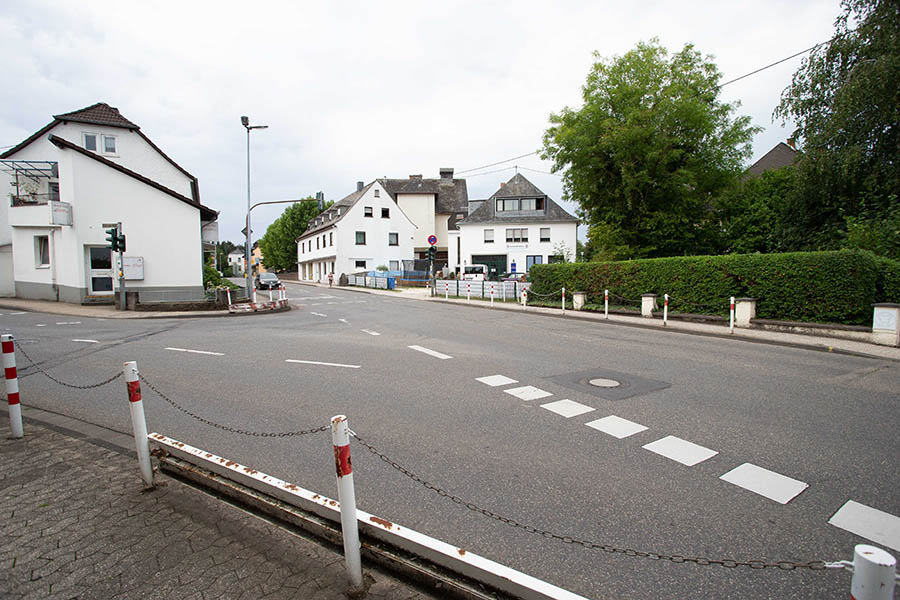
point(823, 287)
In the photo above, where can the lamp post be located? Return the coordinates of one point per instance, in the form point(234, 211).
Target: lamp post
point(245, 121)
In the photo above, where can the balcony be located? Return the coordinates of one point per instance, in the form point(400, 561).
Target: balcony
point(40, 213)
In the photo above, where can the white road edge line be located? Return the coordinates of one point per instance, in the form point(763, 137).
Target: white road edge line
point(196, 351)
point(86, 341)
point(370, 332)
point(318, 314)
point(430, 352)
point(324, 364)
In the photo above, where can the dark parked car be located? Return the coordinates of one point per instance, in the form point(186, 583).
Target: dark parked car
point(267, 281)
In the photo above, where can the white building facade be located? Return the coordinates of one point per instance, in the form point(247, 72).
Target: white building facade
point(361, 232)
point(82, 174)
point(517, 227)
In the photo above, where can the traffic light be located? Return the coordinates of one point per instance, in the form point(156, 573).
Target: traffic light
point(112, 238)
point(120, 242)
point(432, 252)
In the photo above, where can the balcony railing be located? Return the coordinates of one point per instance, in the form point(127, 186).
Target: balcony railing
point(33, 199)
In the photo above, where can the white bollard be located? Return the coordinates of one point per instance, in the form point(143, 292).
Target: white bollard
point(524, 298)
point(12, 386)
point(564, 300)
point(492, 295)
point(446, 290)
point(469, 292)
point(340, 436)
point(503, 289)
point(606, 304)
point(270, 295)
point(228, 293)
point(731, 317)
point(874, 574)
point(254, 295)
point(665, 309)
point(138, 421)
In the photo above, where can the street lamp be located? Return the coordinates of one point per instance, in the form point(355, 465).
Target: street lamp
point(245, 121)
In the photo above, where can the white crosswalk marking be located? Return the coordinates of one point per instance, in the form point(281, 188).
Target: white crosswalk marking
point(679, 450)
point(370, 332)
point(567, 408)
point(617, 426)
point(764, 482)
point(528, 392)
point(495, 380)
point(870, 523)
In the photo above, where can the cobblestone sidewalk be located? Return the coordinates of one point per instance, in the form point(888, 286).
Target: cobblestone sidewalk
point(76, 524)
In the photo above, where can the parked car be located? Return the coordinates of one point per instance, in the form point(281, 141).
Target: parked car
point(512, 277)
point(267, 281)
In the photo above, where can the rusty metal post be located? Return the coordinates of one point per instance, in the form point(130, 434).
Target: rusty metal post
point(606, 304)
point(12, 386)
point(731, 317)
point(138, 421)
point(665, 309)
point(340, 436)
point(874, 574)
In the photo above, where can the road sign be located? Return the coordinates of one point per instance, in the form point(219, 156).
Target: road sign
point(432, 239)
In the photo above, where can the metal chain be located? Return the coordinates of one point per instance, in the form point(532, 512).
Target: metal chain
point(530, 293)
point(63, 383)
point(785, 565)
point(226, 427)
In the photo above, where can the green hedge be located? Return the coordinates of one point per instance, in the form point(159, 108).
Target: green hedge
point(824, 287)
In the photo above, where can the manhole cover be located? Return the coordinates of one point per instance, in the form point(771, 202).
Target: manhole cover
point(604, 383)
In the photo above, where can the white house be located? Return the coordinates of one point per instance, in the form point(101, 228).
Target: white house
point(236, 261)
point(81, 174)
point(361, 232)
point(517, 227)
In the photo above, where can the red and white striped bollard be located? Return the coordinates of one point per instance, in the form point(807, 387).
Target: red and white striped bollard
point(731, 317)
point(492, 294)
point(12, 386)
point(138, 421)
point(874, 574)
point(564, 299)
point(228, 293)
point(665, 310)
point(524, 298)
point(606, 304)
point(469, 292)
point(340, 437)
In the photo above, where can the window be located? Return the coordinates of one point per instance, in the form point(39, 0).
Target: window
point(378, 193)
point(90, 142)
point(54, 190)
point(545, 234)
point(517, 235)
point(317, 242)
point(394, 265)
point(556, 259)
point(385, 213)
point(360, 238)
point(41, 251)
point(528, 204)
point(331, 238)
point(323, 240)
point(367, 211)
point(360, 264)
point(533, 260)
point(393, 239)
point(302, 247)
point(109, 144)
point(488, 236)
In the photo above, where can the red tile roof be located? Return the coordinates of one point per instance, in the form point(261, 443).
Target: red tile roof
point(98, 114)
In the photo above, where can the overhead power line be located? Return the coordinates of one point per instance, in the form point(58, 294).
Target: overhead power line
point(499, 162)
point(777, 62)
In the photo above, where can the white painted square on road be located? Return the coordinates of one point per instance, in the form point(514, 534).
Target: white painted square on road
point(679, 450)
point(870, 523)
point(567, 408)
point(616, 426)
point(495, 380)
point(528, 392)
point(772, 485)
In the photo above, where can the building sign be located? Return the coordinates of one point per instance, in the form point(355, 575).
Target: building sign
point(60, 213)
point(134, 267)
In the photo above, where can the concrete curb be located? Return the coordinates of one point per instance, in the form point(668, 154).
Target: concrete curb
point(77, 310)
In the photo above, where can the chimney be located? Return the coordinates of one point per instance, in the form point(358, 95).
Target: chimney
point(446, 173)
point(792, 142)
point(415, 177)
point(503, 184)
point(360, 185)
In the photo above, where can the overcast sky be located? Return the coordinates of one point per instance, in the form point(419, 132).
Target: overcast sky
point(357, 90)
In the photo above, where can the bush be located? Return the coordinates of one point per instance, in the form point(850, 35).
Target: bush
point(211, 279)
point(825, 287)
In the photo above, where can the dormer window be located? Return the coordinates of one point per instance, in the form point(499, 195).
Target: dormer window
point(90, 141)
point(519, 204)
point(109, 144)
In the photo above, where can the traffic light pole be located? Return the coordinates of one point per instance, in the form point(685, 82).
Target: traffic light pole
point(121, 269)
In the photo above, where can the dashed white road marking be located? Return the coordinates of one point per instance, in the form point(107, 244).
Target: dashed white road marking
point(870, 523)
point(196, 351)
point(617, 426)
point(430, 352)
point(528, 392)
point(567, 408)
point(86, 341)
point(18, 313)
point(318, 314)
point(495, 380)
point(324, 364)
point(41, 325)
point(679, 450)
point(331, 303)
point(370, 332)
point(343, 320)
point(772, 485)
point(69, 323)
point(316, 304)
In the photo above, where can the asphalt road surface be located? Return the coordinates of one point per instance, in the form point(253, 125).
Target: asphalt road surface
point(636, 466)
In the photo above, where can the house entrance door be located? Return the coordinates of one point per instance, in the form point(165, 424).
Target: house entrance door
point(100, 275)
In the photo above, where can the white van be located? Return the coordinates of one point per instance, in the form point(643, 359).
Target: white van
point(475, 273)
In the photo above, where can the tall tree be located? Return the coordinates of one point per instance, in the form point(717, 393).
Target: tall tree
point(648, 151)
point(845, 101)
point(223, 249)
point(279, 244)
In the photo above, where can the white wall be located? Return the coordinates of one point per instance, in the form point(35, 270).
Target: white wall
point(472, 237)
point(420, 210)
point(7, 287)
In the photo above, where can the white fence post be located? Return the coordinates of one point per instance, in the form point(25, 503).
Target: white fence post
point(665, 309)
point(340, 436)
point(138, 421)
point(731, 317)
point(564, 299)
point(606, 304)
point(12, 386)
point(874, 574)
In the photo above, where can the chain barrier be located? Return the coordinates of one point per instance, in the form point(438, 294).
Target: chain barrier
point(272, 434)
point(625, 300)
point(63, 383)
point(723, 308)
point(784, 565)
point(550, 295)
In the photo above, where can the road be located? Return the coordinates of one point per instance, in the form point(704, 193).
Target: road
point(689, 410)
